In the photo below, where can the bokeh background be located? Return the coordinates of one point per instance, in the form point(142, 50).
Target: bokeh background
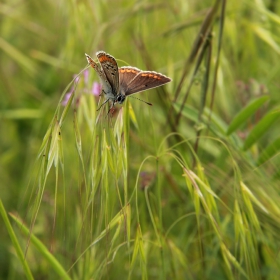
point(185, 189)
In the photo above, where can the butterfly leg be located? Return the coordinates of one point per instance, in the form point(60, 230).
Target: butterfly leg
point(102, 92)
point(102, 104)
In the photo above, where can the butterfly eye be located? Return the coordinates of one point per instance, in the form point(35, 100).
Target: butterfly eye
point(120, 98)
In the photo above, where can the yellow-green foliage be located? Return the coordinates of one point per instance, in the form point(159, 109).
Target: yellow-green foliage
point(185, 189)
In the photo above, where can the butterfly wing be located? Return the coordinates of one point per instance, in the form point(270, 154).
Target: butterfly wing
point(110, 70)
point(105, 84)
point(127, 74)
point(133, 80)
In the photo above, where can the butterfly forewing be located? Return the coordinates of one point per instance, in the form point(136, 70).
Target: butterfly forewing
point(110, 69)
point(145, 80)
point(105, 84)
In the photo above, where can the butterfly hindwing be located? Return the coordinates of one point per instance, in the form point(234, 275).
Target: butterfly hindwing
point(127, 74)
point(143, 80)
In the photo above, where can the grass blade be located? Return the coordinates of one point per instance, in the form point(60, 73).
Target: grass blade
point(270, 151)
point(245, 113)
point(15, 242)
point(43, 250)
point(261, 128)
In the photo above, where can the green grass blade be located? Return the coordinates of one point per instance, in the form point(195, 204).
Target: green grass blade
point(15, 242)
point(188, 111)
point(261, 128)
point(43, 250)
point(245, 113)
point(230, 261)
point(18, 56)
point(270, 151)
point(266, 36)
point(217, 125)
point(21, 114)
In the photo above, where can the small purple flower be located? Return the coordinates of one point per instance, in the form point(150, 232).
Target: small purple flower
point(66, 98)
point(76, 79)
point(86, 74)
point(96, 89)
point(68, 94)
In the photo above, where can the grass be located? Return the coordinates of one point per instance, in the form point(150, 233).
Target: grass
point(185, 189)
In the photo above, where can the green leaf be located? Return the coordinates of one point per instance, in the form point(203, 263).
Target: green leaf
point(187, 111)
point(269, 151)
point(217, 125)
point(261, 128)
point(216, 120)
point(43, 250)
point(246, 113)
point(23, 60)
point(266, 36)
point(15, 241)
point(21, 114)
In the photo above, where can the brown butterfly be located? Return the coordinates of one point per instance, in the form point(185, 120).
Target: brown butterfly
point(118, 83)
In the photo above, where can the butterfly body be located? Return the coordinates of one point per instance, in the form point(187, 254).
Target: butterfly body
point(118, 83)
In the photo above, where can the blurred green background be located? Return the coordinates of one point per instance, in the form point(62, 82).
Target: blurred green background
point(185, 189)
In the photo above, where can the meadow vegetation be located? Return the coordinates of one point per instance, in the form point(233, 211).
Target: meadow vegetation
point(188, 188)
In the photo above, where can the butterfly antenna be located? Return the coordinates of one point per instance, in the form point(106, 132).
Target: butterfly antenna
point(141, 100)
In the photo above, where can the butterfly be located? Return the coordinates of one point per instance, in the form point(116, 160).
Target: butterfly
point(118, 83)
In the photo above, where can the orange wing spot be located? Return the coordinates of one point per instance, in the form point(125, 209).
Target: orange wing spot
point(157, 77)
point(106, 58)
point(127, 71)
point(144, 75)
point(102, 58)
